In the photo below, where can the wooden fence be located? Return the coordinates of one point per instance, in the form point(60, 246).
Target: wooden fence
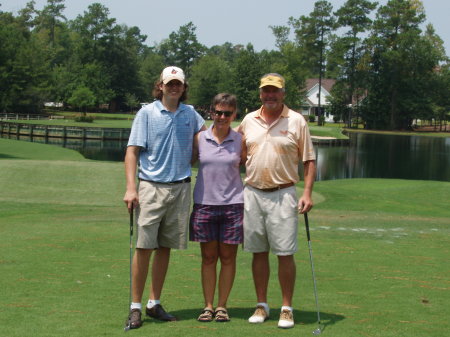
point(57, 131)
point(27, 117)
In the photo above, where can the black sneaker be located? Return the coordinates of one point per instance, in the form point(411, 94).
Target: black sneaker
point(158, 312)
point(134, 319)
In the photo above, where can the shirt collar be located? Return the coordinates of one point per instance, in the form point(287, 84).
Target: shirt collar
point(161, 107)
point(284, 112)
point(209, 135)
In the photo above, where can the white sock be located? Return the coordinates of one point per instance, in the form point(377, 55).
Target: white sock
point(152, 303)
point(285, 307)
point(135, 305)
point(265, 305)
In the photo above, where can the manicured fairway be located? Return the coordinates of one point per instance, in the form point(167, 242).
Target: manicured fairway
point(381, 251)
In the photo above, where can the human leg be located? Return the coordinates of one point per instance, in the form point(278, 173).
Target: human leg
point(210, 253)
point(261, 272)
point(141, 261)
point(171, 233)
point(227, 255)
point(140, 264)
point(286, 277)
point(159, 270)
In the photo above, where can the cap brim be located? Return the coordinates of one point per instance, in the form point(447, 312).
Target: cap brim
point(170, 78)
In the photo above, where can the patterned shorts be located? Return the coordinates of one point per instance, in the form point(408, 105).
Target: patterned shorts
point(222, 223)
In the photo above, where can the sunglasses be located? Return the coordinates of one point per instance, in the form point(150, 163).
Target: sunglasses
point(220, 113)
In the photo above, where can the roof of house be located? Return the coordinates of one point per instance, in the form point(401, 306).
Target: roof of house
point(327, 83)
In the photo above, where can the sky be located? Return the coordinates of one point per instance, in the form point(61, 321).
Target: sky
point(235, 21)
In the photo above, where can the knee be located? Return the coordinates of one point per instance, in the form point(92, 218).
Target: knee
point(209, 259)
point(227, 259)
point(287, 261)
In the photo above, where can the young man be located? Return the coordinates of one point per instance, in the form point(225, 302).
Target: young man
point(161, 141)
point(277, 139)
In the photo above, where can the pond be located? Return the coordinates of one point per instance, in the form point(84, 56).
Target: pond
point(386, 156)
point(366, 156)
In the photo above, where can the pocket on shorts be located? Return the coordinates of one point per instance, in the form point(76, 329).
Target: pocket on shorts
point(150, 209)
point(289, 205)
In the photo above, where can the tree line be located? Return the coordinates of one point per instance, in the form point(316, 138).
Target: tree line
point(389, 70)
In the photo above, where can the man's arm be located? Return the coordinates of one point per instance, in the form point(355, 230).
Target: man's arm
point(243, 152)
point(131, 157)
point(305, 203)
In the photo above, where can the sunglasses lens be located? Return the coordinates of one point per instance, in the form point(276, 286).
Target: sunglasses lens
point(226, 113)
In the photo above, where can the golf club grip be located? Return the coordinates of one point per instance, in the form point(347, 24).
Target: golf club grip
point(131, 220)
point(305, 215)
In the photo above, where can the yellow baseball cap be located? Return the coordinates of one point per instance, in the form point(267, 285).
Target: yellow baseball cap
point(272, 79)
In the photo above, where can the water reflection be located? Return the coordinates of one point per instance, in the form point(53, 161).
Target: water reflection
point(95, 149)
point(385, 156)
point(367, 156)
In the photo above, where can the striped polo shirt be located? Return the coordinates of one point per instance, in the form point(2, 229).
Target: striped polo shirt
point(166, 140)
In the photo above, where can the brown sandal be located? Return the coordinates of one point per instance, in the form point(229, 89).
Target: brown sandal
point(222, 315)
point(206, 315)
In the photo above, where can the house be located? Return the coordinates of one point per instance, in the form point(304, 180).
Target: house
point(311, 106)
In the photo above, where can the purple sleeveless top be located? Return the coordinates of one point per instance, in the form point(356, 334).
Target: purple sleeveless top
point(219, 180)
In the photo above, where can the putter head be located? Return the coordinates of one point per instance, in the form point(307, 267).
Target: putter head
point(127, 325)
point(317, 331)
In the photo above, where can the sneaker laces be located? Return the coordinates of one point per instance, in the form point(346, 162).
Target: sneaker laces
point(286, 315)
point(260, 311)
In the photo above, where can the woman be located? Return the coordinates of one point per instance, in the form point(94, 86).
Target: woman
point(217, 216)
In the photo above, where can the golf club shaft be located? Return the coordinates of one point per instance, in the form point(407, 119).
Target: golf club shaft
point(128, 325)
point(312, 265)
point(131, 248)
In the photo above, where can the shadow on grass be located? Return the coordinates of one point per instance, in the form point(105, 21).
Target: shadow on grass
point(301, 317)
point(7, 156)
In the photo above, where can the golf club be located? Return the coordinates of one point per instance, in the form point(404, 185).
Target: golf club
point(318, 330)
point(128, 321)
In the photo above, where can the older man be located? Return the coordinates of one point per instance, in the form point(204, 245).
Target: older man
point(277, 139)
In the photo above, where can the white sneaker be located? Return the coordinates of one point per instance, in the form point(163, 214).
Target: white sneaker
point(286, 319)
point(259, 316)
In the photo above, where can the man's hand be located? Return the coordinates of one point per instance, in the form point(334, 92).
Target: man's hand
point(131, 199)
point(305, 204)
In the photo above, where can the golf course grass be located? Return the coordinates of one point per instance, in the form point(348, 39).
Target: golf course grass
point(381, 254)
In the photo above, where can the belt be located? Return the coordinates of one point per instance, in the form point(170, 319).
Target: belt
point(273, 189)
point(185, 180)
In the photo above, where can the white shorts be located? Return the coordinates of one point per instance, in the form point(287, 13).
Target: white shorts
point(162, 217)
point(270, 221)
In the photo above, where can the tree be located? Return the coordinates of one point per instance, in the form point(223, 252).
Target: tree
point(24, 71)
point(131, 101)
point(210, 76)
point(402, 63)
point(48, 18)
point(354, 14)
point(182, 48)
point(111, 53)
point(82, 98)
point(312, 34)
point(246, 74)
point(150, 67)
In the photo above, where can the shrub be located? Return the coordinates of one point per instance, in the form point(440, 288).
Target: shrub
point(84, 119)
point(311, 118)
point(321, 120)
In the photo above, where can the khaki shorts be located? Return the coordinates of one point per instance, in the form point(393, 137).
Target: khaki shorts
point(162, 216)
point(270, 221)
